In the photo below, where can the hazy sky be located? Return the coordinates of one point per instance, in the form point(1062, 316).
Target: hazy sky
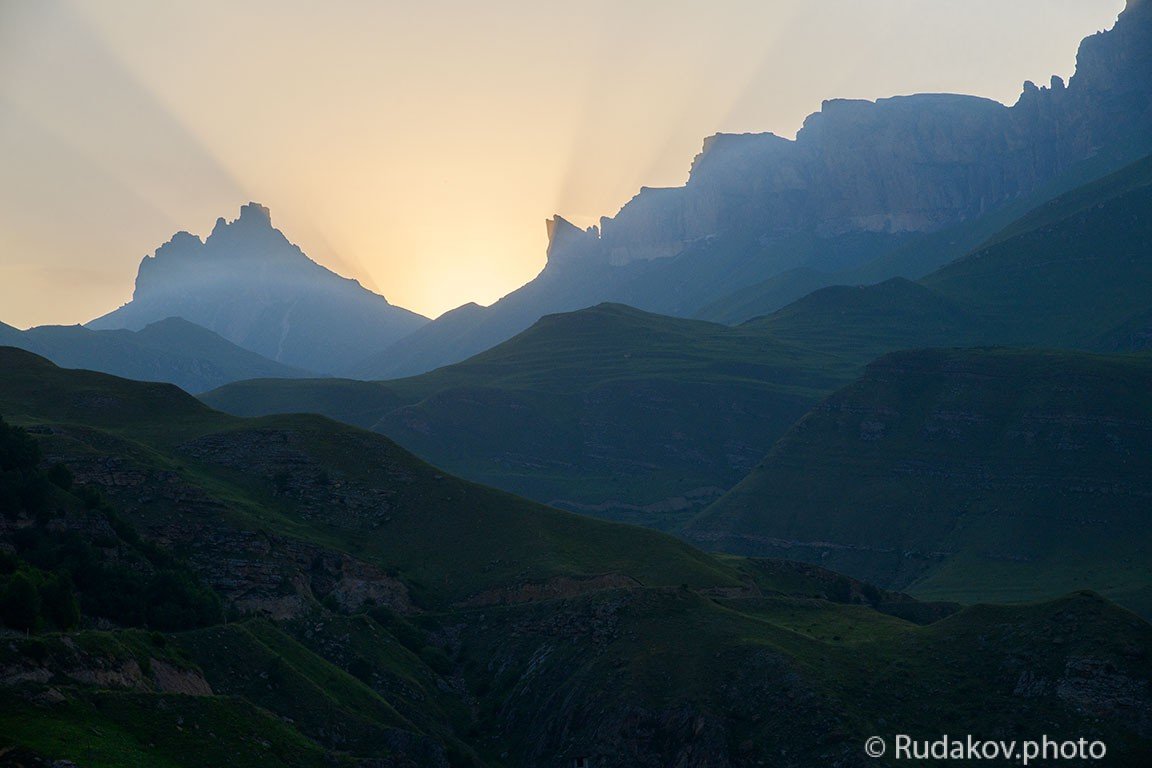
point(419, 146)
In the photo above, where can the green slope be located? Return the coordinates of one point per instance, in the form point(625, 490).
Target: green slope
point(609, 411)
point(1067, 273)
point(860, 323)
point(964, 475)
point(1074, 273)
point(286, 474)
point(627, 678)
point(383, 613)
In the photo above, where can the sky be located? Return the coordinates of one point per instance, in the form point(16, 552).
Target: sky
point(419, 146)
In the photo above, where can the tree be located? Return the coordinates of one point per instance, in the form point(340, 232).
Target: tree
point(20, 603)
point(59, 603)
point(22, 487)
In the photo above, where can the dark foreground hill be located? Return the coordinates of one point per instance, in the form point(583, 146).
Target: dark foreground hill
point(609, 411)
point(172, 350)
point(381, 613)
point(966, 475)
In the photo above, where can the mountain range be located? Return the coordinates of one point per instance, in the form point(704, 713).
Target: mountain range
point(623, 414)
point(172, 350)
point(848, 436)
point(866, 192)
point(608, 411)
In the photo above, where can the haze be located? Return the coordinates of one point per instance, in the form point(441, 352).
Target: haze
point(418, 147)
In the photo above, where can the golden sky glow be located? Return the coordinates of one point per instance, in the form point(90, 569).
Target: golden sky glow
point(419, 146)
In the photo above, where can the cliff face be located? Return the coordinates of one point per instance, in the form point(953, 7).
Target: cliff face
point(252, 286)
point(904, 164)
point(867, 191)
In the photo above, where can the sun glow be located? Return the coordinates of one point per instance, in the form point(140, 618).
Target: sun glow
point(419, 147)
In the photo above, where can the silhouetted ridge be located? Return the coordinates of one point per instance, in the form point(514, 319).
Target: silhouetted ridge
point(251, 285)
point(867, 191)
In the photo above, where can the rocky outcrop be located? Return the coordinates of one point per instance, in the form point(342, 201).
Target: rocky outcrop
point(96, 661)
point(1099, 689)
point(257, 572)
point(252, 286)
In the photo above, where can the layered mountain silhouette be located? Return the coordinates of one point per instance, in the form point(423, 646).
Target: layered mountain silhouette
point(624, 414)
point(1075, 274)
point(969, 420)
point(172, 350)
point(867, 191)
point(249, 284)
point(608, 411)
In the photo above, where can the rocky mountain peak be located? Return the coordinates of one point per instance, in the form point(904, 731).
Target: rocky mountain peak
point(254, 213)
point(250, 284)
point(566, 241)
point(253, 224)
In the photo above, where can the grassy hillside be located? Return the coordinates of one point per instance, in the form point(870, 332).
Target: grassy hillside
point(609, 411)
point(380, 612)
point(1073, 273)
point(1067, 273)
point(963, 475)
point(282, 474)
point(172, 350)
point(762, 674)
point(863, 322)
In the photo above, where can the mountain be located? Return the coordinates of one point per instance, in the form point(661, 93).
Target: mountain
point(920, 254)
point(381, 613)
point(860, 323)
point(963, 474)
point(343, 484)
point(1074, 273)
point(172, 350)
point(609, 411)
point(249, 284)
point(650, 417)
point(975, 474)
point(1068, 273)
point(872, 190)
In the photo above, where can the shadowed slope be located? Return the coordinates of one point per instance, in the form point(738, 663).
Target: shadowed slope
point(608, 410)
point(964, 474)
